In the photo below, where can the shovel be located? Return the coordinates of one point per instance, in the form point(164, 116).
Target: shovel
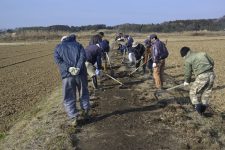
point(157, 93)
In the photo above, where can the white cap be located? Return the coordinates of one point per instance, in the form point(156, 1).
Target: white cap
point(63, 38)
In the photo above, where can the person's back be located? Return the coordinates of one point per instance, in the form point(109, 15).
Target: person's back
point(70, 57)
point(198, 62)
point(68, 53)
point(92, 52)
point(159, 50)
point(140, 49)
point(202, 66)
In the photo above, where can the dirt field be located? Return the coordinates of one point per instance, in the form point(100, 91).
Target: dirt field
point(27, 73)
point(121, 118)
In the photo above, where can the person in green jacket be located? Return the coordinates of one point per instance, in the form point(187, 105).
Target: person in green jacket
point(201, 65)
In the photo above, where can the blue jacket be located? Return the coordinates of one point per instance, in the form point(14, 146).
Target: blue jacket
point(130, 41)
point(70, 53)
point(94, 54)
point(105, 46)
point(157, 50)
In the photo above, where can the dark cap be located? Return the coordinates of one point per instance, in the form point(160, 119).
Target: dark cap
point(153, 36)
point(101, 33)
point(184, 50)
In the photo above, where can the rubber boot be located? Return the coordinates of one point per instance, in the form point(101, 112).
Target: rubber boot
point(200, 108)
point(204, 107)
point(95, 82)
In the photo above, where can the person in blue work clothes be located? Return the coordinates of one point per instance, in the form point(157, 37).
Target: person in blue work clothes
point(125, 43)
point(94, 55)
point(70, 57)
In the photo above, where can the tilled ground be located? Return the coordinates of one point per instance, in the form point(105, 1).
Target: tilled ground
point(28, 73)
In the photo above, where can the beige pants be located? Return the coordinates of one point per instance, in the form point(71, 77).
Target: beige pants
point(158, 73)
point(201, 89)
point(90, 69)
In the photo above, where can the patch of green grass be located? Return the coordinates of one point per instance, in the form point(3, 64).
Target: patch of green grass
point(2, 136)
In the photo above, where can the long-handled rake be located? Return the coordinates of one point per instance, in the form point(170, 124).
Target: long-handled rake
point(157, 93)
point(139, 66)
point(122, 86)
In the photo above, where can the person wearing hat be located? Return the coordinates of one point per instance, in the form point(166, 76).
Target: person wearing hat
point(96, 39)
point(201, 65)
point(136, 53)
point(70, 57)
point(159, 54)
point(124, 43)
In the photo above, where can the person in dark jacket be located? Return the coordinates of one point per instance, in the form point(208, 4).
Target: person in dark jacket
point(94, 55)
point(148, 56)
point(159, 54)
point(96, 39)
point(136, 53)
point(129, 41)
point(70, 57)
point(202, 65)
point(118, 36)
point(105, 50)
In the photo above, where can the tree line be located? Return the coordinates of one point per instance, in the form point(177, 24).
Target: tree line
point(170, 26)
point(52, 32)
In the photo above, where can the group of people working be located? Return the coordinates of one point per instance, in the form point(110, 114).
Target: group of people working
point(77, 63)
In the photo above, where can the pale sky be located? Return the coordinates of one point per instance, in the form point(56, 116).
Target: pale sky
point(26, 13)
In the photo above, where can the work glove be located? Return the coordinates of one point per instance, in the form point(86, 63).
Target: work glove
point(154, 65)
point(74, 71)
point(186, 83)
point(98, 72)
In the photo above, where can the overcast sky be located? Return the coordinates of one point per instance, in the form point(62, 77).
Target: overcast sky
point(24, 13)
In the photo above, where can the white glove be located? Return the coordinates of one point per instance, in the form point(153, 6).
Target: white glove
point(186, 83)
point(154, 65)
point(74, 71)
point(98, 72)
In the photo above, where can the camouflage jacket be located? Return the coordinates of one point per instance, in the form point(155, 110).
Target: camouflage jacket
point(197, 63)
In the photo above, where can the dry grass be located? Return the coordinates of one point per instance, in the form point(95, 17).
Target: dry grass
point(41, 128)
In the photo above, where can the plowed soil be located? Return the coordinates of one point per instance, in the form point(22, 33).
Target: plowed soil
point(28, 73)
